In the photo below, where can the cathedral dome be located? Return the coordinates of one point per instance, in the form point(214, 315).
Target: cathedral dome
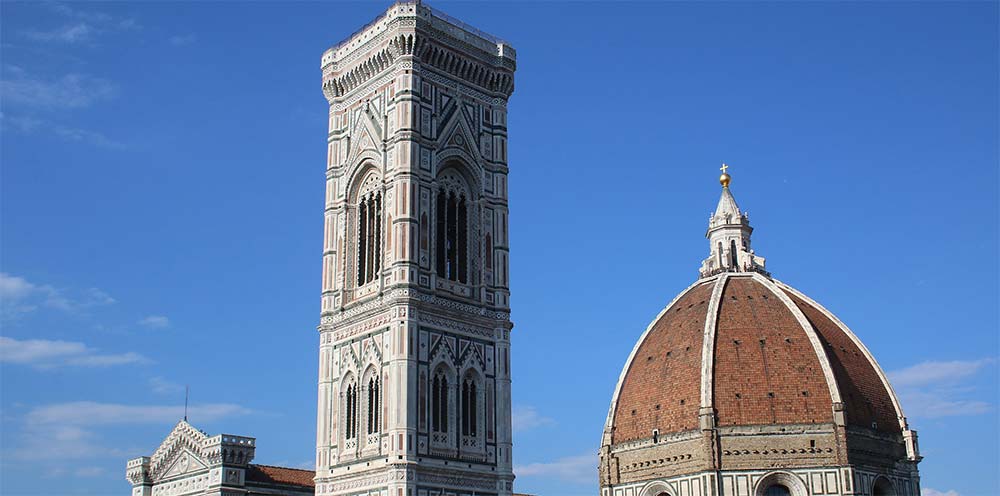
point(744, 377)
point(755, 351)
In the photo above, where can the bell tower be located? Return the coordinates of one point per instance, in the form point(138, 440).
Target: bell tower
point(414, 372)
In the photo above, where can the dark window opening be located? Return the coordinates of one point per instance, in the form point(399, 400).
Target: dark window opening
point(439, 403)
point(373, 405)
point(452, 237)
point(369, 237)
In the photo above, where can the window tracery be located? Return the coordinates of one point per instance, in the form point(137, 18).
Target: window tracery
point(470, 410)
point(373, 405)
point(439, 402)
point(351, 411)
point(452, 229)
point(369, 211)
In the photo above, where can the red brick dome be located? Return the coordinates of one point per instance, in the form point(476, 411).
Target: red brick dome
point(753, 351)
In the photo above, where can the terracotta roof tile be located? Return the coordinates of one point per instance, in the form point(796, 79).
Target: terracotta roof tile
point(662, 389)
point(766, 371)
point(280, 475)
point(865, 397)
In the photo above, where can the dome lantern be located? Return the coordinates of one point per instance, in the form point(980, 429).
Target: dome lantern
point(729, 236)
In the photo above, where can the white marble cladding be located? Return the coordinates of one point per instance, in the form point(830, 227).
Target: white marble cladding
point(820, 481)
point(412, 10)
point(418, 142)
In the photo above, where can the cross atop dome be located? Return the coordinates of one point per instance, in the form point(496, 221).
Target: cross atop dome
point(729, 236)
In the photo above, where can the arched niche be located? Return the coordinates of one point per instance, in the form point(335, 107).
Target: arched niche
point(776, 483)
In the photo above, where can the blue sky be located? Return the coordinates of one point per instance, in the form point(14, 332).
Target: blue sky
point(162, 189)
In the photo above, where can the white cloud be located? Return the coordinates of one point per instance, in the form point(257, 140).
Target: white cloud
point(14, 288)
point(26, 124)
point(67, 91)
point(19, 296)
point(155, 322)
point(527, 417)
point(935, 389)
point(73, 33)
point(182, 39)
point(940, 403)
point(84, 25)
point(86, 15)
point(927, 491)
point(45, 354)
point(928, 373)
point(90, 413)
point(74, 134)
point(578, 469)
point(89, 472)
point(65, 431)
point(160, 385)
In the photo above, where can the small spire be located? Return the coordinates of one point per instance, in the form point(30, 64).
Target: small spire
point(725, 178)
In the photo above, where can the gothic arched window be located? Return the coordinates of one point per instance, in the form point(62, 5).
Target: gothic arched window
point(451, 243)
point(369, 253)
point(470, 410)
point(373, 405)
point(351, 411)
point(439, 403)
point(732, 253)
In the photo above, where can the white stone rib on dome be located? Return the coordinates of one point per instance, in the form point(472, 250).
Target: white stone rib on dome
point(868, 355)
point(635, 349)
point(707, 372)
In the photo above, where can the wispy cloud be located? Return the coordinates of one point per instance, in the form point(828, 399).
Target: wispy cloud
point(160, 385)
point(936, 389)
point(73, 33)
point(65, 431)
point(525, 417)
point(78, 135)
point(155, 322)
point(19, 296)
point(13, 287)
point(82, 25)
point(19, 88)
point(182, 39)
point(27, 125)
point(91, 413)
point(89, 471)
point(577, 469)
point(930, 373)
point(47, 354)
point(927, 491)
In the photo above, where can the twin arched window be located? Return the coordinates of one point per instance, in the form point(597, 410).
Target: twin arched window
point(452, 236)
point(351, 408)
point(468, 402)
point(369, 236)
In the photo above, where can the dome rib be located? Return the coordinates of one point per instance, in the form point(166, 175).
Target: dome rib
point(900, 416)
point(664, 317)
point(703, 347)
point(766, 372)
point(817, 345)
point(708, 347)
